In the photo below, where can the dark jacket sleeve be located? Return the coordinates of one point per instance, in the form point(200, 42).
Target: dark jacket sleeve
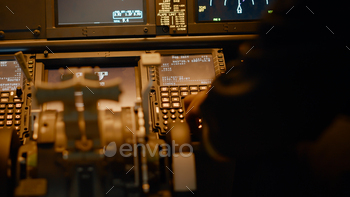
point(286, 89)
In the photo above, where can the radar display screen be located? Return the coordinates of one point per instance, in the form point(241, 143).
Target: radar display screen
point(11, 75)
point(232, 10)
point(186, 70)
point(127, 86)
point(92, 12)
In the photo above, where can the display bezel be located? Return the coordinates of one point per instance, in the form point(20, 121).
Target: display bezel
point(55, 31)
point(218, 27)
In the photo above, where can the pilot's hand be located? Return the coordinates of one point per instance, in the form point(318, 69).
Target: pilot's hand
point(192, 108)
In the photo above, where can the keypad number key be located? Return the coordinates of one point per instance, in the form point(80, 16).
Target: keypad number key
point(164, 89)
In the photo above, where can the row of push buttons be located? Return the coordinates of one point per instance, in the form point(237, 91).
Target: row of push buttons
point(30, 67)
point(173, 115)
point(221, 63)
point(10, 114)
point(5, 97)
point(173, 93)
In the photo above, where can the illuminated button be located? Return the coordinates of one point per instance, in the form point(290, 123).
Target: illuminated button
point(2, 123)
point(18, 105)
point(184, 93)
point(221, 60)
point(17, 117)
point(164, 94)
point(221, 64)
point(2, 106)
point(9, 122)
point(172, 111)
point(165, 99)
point(17, 100)
point(31, 74)
point(222, 68)
point(151, 69)
point(30, 62)
point(9, 117)
point(222, 72)
point(166, 128)
point(165, 117)
point(165, 111)
point(181, 111)
point(200, 120)
point(184, 88)
point(18, 128)
point(30, 70)
point(203, 87)
point(220, 56)
point(181, 116)
point(165, 105)
point(173, 117)
point(175, 88)
point(194, 92)
point(153, 78)
point(30, 66)
point(4, 100)
point(17, 122)
point(5, 94)
point(193, 88)
point(175, 99)
point(2, 117)
point(2, 111)
point(10, 106)
point(174, 93)
point(153, 75)
point(18, 111)
point(165, 122)
point(164, 89)
point(10, 111)
point(176, 105)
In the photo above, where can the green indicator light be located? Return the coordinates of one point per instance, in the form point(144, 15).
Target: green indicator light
point(216, 19)
point(269, 11)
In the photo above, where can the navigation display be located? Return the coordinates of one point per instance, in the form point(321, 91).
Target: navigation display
point(232, 10)
point(128, 87)
point(186, 70)
point(11, 75)
point(92, 12)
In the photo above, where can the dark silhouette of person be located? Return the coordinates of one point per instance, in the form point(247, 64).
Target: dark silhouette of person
point(282, 112)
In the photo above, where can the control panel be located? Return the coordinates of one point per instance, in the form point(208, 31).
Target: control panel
point(15, 90)
point(180, 74)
